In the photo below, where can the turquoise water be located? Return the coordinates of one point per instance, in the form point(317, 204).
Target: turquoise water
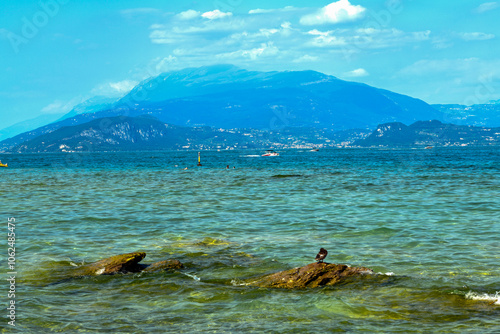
point(427, 220)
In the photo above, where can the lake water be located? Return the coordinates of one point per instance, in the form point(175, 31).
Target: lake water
point(427, 220)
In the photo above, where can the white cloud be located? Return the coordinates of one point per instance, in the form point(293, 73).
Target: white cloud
point(357, 73)
point(325, 38)
point(216, 14)
point(268, 32)
point(476, 36)
point(263, 34)
point(114, 89)
point(157, 26)
point(244, 38)
point(421, 35)
point(162, 37)
point(185, 31)
point(124, 86)
point(166, 64)
point(188, 14)
point(53, 108)
point(60, 107)
point(266, 11)
point(316, 32)
point(261, 11)
point(328, 40)
point(356, 41)
point(487, 6)
point(265, 50)
point(306, 59)
point(336, 12)
point(388, 38)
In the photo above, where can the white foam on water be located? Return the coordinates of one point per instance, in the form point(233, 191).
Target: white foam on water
point(76, 264)
point(250, 156)
point(236, 282)
point(494, 299)
point(196, 278)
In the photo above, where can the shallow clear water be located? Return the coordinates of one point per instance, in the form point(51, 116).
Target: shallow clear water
point(429, 218)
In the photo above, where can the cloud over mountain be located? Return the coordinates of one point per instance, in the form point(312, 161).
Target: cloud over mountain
point(295, 34)
point(357, 73)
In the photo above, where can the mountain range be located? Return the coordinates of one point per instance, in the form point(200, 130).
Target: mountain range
point(91, 105)
point(125, 134)
point(477, 114)
point(146, 133)
point(228, 97)
point(225, 96)
point(429, 133)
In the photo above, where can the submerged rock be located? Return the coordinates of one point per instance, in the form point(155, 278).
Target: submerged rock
point(310, 276)
point(124, 263)
point(116, 264)
point(208, 241)
point(164, 265)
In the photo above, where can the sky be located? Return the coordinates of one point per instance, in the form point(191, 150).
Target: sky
point(55, 54)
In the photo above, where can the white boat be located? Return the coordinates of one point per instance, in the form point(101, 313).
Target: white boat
point(270, 153)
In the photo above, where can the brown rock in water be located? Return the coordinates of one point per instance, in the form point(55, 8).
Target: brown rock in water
point(310, 276)
point(123, 263)
point(164, 265)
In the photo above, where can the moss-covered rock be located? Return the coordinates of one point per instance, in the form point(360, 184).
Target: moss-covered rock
point(123, 263)
point(310, 276)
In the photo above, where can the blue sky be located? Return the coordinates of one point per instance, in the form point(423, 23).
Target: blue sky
point(57, 53)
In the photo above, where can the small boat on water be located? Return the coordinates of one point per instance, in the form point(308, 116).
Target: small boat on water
point(429, 147)
point(270, 153)
point(314, 150)
point(4, 165)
